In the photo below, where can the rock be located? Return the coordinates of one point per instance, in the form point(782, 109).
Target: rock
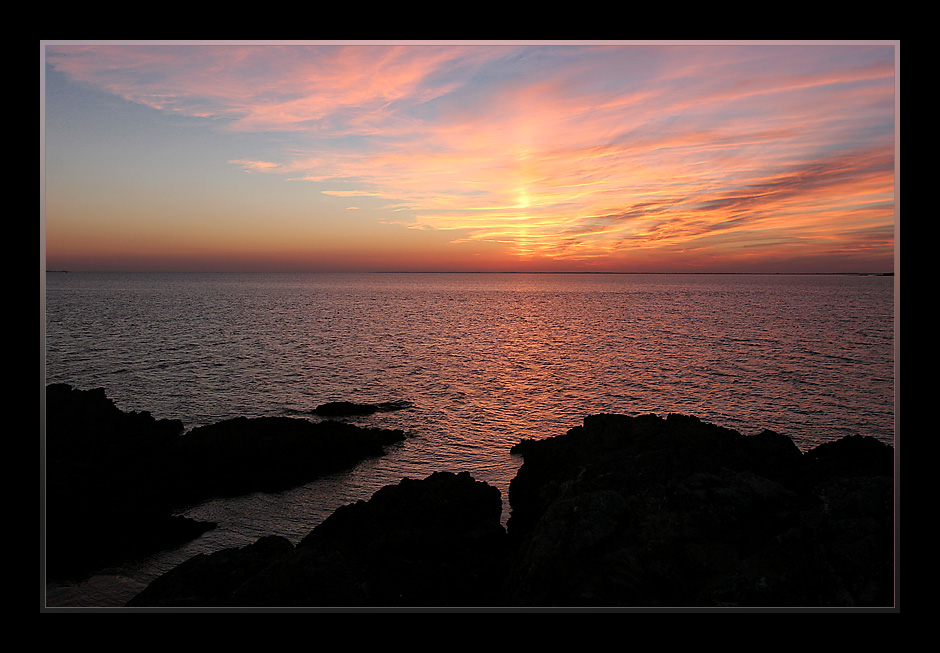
point(645, 511)
point(349, 408)
point(618, 512)
point(431, 542)
point(209, 579)
point(268, 454)
point(102, 480)
point(114, 479)
point(850, 457)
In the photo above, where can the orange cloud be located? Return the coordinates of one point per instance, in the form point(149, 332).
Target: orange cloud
point(564, 153)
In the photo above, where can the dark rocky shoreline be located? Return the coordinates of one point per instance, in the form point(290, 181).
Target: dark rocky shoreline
point(619, 512)
point(114, 479)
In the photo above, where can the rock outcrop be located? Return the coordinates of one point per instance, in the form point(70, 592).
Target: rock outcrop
point(622, 511)
point(436, 542)
point(114, 479)
point(646, 511)
point(268, 454)
point(352, 408)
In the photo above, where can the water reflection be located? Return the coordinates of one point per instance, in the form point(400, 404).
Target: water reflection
point(486, 360)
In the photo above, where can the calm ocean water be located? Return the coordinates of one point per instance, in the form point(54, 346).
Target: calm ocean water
point(485, 359)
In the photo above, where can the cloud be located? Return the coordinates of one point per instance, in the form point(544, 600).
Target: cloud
point(255, 166)
point(563, 151)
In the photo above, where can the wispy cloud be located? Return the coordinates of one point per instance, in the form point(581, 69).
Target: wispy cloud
point(567, 151)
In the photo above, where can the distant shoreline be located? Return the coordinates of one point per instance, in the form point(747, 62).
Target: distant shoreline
point(594, 272)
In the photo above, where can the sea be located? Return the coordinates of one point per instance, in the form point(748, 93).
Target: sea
point(482, 361)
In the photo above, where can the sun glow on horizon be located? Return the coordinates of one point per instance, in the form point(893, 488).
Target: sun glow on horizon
point(560, 157)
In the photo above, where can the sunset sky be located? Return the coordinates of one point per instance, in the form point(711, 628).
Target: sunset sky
point(601, 156)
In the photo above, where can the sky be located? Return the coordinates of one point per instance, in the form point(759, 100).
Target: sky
point(469, 156)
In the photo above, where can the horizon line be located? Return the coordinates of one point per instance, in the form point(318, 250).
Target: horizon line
point(883, 274)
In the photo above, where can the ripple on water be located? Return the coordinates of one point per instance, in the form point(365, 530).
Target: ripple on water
point(486, 361)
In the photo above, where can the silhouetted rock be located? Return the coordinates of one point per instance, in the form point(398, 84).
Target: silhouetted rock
point(645, 511)
point(242, 455)
point(209, 580)
point(622, 511)
point(433, 542)
point(850, 457)
point(114, 479)
point(350, 408)
point(102, 480)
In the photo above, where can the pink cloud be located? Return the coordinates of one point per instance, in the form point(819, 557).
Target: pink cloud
point(620, 148)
